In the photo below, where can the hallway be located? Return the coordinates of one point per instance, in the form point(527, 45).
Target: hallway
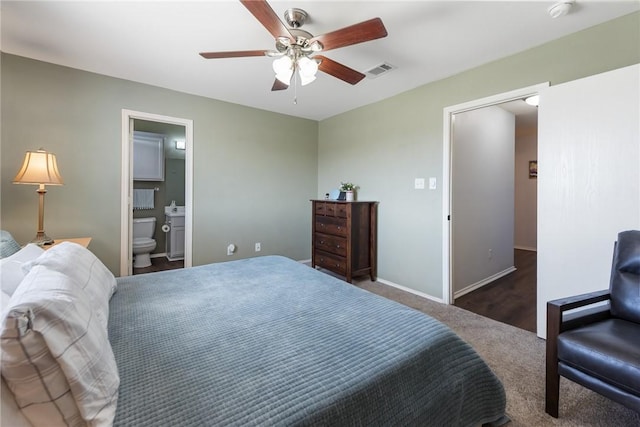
point(510, 299)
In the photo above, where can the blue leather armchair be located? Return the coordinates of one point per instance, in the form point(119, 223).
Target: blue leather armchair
point(599, 348)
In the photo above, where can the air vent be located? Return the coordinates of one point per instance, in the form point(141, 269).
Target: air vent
point(379, 70)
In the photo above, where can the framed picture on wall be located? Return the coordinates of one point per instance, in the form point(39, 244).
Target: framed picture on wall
point(533, 168)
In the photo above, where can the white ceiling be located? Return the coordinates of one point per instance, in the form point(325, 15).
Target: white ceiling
point(157, 42)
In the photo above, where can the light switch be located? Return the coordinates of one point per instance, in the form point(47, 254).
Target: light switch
point(432, 183)
point(419, 184)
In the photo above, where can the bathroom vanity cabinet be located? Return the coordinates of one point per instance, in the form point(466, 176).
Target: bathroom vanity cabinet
point(175, 236)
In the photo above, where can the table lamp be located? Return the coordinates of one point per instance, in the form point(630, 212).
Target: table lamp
point(39, 168)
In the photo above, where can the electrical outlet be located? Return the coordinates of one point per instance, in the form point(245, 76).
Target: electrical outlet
point(490, 253)
point(231, 249)
point(258, 248)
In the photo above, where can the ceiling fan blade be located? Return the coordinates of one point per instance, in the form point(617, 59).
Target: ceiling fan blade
point(267, 17)
point(357, 33)
point(233, 54)
point(338, 70)
point(278, 85)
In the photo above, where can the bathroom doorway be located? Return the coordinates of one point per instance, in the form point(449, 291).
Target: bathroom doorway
point(167, 196)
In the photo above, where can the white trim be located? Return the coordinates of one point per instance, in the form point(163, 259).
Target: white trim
point(484, 282)
point(448, 113)
point(126, 265)
point(409, 290)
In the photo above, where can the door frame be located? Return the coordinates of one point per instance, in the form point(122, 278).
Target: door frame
point(126, 212)
point(447, 131)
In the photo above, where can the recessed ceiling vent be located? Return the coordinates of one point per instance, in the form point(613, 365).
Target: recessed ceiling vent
point(379, 70)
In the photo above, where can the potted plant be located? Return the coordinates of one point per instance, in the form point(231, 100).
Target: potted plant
point(349, 188)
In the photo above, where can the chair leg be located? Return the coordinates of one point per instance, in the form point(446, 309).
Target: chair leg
point(552, 392)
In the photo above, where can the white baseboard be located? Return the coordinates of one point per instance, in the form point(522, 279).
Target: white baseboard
point(411, 291)
point(483, 282)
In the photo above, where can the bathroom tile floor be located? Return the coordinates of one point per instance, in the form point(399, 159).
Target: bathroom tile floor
point(159, 264)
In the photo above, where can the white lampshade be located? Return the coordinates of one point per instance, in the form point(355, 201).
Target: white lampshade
point(283, 68)
point(305, 80)
point(39, 167)
point(307, 69)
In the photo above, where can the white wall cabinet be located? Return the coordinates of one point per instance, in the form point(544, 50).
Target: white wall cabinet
point(148, 156)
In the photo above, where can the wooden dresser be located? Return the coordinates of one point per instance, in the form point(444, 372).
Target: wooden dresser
point(344, 237)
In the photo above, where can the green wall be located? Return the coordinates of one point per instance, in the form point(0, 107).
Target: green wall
point(383, 147)
point(254, 171)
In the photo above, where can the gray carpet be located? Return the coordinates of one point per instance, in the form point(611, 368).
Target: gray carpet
point(517, 358)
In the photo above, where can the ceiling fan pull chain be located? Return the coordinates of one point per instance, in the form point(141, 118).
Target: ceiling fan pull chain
point(295, 87)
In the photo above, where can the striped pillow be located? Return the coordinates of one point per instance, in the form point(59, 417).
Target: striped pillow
point(57, 359)
point(81, 265)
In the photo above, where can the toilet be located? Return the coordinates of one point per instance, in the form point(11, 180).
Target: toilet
point(143, 242)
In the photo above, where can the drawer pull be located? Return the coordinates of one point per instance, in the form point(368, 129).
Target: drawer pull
point(337, 246)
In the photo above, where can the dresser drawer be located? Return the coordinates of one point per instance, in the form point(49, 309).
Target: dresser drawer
point(331, 225)
point(326, 208)
point(331, 262)
point(333, 244)
point(332, 209)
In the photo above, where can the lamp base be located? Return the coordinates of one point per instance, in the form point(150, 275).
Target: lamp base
point(42, 239)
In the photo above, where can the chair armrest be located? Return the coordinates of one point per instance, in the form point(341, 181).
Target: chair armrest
point(556, 320)
point(556, 323)
point(569, 303)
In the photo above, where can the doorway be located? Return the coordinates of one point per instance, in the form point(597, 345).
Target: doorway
point(448, 214)
point(136, 121)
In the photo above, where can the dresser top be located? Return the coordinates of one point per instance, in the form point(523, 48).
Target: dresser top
point(343, 201)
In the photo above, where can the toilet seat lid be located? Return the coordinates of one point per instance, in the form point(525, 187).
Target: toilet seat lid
point(142, 241)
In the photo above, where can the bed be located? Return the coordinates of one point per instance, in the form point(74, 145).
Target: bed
point(270, 341)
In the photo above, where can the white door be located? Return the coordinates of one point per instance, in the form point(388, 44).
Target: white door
point(588, 181)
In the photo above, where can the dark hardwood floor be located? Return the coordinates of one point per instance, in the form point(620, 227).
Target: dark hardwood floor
point(159, 264)
point(510, 299)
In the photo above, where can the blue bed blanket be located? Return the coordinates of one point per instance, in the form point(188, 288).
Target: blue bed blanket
point(268, 341)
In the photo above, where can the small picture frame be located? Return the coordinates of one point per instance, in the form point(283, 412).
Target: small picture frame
point(533, 169)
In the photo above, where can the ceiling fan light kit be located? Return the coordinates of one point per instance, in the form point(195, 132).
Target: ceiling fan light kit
point(296, 49)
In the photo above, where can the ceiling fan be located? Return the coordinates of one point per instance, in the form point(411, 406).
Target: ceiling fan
point(297, 50)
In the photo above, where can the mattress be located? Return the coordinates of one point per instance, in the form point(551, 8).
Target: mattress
point(270, 341)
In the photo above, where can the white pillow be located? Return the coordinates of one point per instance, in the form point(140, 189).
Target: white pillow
point(57, 359)
point(81, 265)
point(4, 301)
point(11, 273)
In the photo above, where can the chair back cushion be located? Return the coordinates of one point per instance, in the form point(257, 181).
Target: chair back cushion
point(625, 277)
